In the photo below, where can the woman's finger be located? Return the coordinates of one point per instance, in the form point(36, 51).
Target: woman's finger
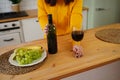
point(46, 29)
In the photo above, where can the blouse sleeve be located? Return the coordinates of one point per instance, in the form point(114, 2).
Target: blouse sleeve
point(42, 15)
point(76, 15)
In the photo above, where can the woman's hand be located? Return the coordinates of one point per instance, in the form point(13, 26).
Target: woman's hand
point(46, 29)
point(78, 51)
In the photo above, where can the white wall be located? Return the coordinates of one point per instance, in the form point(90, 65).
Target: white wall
point(5, 5)
point(107, 72)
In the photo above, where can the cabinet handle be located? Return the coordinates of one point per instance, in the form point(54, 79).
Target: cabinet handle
point(100, 9)
point(37, 21)
point(6, 40)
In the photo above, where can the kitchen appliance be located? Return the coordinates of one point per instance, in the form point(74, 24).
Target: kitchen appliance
point(11, 33)
point(8, 15)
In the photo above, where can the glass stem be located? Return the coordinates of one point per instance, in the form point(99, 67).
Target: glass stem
point(76, 42)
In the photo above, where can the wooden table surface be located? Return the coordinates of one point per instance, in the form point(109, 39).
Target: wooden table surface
point(56, 66)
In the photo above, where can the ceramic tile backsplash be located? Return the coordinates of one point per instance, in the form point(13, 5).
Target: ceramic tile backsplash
point(5, 5)
point(28, 4)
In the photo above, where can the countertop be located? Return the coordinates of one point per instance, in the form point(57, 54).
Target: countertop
point(56, 66)
point(31, 14)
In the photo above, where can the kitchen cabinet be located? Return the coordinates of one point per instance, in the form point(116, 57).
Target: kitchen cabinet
point(85, 19)
point(31, 29)
point(10, 39)
point(11, 33)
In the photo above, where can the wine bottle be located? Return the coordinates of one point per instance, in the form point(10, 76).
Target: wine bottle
point(51, 36)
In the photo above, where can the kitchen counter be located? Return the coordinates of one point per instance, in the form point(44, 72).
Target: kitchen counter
point(31, 14)
point(56, 66)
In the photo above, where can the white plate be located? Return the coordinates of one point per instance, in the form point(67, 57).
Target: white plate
point(14, 62)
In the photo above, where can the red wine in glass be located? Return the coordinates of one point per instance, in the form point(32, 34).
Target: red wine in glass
point(77, 35)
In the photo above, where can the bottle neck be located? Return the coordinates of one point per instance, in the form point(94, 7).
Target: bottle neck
point(50, 21)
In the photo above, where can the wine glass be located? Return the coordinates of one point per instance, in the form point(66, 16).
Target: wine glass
point(77, 34)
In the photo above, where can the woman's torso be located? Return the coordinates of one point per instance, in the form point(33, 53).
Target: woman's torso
point(61, 16)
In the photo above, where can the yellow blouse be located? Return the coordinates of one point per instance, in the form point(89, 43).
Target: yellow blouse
point(64, 16)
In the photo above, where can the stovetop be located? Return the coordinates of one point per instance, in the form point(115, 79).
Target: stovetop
point(9, 15)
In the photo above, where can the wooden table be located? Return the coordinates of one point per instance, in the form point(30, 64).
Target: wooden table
point(96, 53)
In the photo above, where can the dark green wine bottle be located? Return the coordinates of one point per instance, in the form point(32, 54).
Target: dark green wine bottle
point(51, 36)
